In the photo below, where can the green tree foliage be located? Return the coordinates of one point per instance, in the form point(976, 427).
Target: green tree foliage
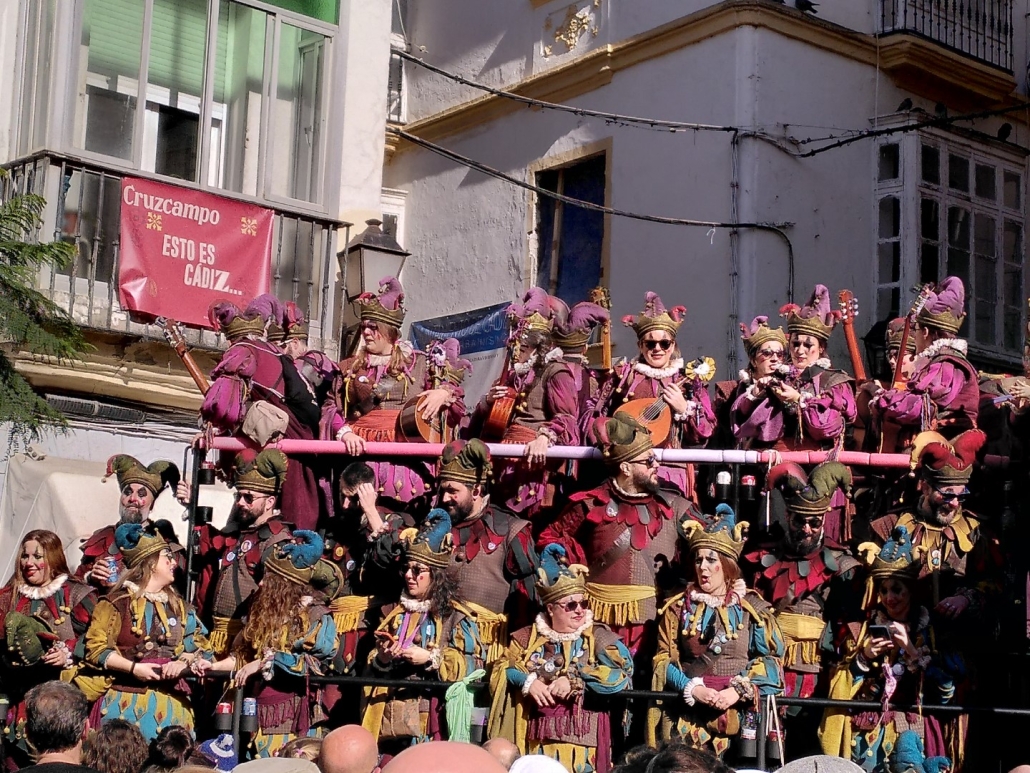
point(29, 320)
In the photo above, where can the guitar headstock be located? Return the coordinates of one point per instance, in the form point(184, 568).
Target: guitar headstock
point(848, 306)
point(173, 331)
point(602, 297)
point(921, 299)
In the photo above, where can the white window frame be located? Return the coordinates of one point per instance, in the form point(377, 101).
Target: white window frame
point(393, 202)
point(911, 190)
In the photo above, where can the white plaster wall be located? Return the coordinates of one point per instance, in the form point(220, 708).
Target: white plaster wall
point(9, 26)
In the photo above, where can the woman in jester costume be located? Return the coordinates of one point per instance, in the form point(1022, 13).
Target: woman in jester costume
point(718, 643)
point(287, 636)
point(144, 637)
point(430, 634)
point(547, 688)
point(892, 656)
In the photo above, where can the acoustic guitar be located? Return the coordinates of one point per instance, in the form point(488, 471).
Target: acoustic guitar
point(654, 413)
point(177, 340)
point(502, 411)
point(849, 310)
point(890, 431)
point(411, 425)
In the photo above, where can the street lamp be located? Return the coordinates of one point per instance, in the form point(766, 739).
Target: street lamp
point(370, 257)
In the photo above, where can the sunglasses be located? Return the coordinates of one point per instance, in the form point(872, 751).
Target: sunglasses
point(768, 354)
point(416, 571)
point(947, 495)
point(249, 497)
point(813, 522)
point(650, 461)
point(665, 344)
point(572, 606)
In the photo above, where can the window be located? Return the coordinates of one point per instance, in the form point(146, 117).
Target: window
point(570, 239)
point(35, 98)
point(147, 71)
point(969, 223)
point(396, 99)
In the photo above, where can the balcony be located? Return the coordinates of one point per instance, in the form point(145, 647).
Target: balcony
point(957, 51)
point(82, 209)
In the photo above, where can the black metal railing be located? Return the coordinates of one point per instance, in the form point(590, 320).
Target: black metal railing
point(981, 29)
point(83, 209)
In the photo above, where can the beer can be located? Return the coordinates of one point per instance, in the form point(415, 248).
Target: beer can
point(223, 708)
point(747, 480)
point(250, 707)
point(112, 564)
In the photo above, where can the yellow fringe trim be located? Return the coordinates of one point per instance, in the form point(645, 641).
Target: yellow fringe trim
point(493, 631)
point(223, 633)
point(348, 612)
point(617, 604)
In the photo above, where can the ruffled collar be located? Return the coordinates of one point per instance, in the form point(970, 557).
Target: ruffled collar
point(732, 598)
point(553, 635)
point(659, 373)
point(38, 592)
point(555, 355)
point(158, 597)
point(822, 362)
point(960, 345)
point(415, 605)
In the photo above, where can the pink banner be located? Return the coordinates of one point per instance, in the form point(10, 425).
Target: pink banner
point(182, 250)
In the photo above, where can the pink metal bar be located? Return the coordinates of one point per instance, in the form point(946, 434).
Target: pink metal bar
point(697, 456)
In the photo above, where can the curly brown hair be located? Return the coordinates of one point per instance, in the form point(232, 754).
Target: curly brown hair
point(274, 609)
point(444, 590)
point(116, 747)
point(140, 576)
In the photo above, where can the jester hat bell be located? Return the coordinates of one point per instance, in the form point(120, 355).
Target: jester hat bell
point(263, 472)
point(946, 462)
point(466, 462)
point(154, 476)
point(656, 317)
point(138, 542)
point(387, 306)
point(432, 544)
point(945, 306)
point(620, 438)
point(816, 318)
point(297, 560)
point(809, 494)
point(722, 533)
point(556, 578)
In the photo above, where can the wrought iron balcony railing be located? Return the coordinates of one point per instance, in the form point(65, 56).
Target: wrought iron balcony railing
point(980, 29)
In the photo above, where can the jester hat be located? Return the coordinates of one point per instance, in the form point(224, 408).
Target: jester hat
point(534, 314)
point(655, 317)
point(138, 542)
point(946, 462)
point(445, 357)
point(809, 494)
point(466, 462)
point(945, 307)
point(556, 579)
point(432, 544)
point(260, 471)
point(620, 438)
point(297, 560)
point(758, 333)
point(721, 533)
point(154, 476)
point(816, 318)
point(572, 327)
point(387, 306)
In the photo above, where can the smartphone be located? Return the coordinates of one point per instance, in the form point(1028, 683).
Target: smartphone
point(879, 632)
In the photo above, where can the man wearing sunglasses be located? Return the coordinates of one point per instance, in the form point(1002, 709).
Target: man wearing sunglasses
point(230, 560)
point(811, 582)
point(623, 531)
point(658, 372)
point(960, 561)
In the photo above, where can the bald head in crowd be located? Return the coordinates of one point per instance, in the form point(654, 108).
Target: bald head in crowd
point(349, 749)
point(502, 750)
point(444, 757)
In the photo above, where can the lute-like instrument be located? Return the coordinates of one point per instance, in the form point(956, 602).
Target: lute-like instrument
point(177, 340)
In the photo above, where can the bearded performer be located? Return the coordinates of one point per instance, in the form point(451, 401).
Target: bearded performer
point(377, 383)
point(288, 635)
point(430, 634)
point(809, 579)
point(659, 372)
point(548, 693)
point(803, 404)
point(718, 643)
point(140, 486)
point(892, 655)
point(571, 333)
point(959, 560)
point(622, 531)
point(545, 411)
point(231, 562)
point(943, 392)
point(257, 392)
point(43, 615)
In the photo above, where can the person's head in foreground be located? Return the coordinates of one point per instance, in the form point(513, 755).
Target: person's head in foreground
point(56, 722)
point(444, 757)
